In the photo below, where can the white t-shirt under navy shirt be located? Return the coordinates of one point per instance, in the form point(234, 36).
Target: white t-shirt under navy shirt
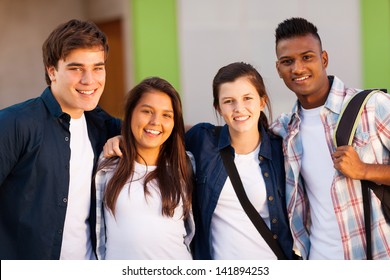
point(76, 240)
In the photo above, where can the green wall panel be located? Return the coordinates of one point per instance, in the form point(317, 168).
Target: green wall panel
point(155, 42)
point(376, 43)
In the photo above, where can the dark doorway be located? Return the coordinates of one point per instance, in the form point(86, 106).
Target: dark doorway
point(112, 99)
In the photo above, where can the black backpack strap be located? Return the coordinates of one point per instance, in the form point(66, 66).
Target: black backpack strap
point(350, 117)
point(250, 210)
point(367, 217)
point(344, 133)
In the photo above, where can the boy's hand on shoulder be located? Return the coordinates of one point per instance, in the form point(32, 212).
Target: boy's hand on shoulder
point(112, 147)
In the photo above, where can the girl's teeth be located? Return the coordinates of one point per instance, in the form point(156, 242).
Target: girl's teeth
point(155, 132)
point(88, 92)
point(241, 118)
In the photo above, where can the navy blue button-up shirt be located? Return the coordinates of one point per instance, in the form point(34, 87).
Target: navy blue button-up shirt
point(205, 145)
point(34, 174)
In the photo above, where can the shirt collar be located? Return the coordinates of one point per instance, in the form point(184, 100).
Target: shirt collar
point(334, 101)
point(336, 96)
point(52, 104)
point(224, 138)
point(265, 148)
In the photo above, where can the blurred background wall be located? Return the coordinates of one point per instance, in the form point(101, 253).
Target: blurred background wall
point(187, 41)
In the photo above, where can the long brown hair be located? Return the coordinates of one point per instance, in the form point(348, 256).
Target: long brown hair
point(173, 173)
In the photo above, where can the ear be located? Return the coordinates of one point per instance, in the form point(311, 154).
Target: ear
point(218, 109)
point(263, 102)
point(277, 68)
point(325, 60)
point(51, 71)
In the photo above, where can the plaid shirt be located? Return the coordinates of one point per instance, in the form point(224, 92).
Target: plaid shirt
point(372, 143)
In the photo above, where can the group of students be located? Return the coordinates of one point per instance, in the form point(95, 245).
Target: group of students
point(156, 191)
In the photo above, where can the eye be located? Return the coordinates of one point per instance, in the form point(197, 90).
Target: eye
point(307, 57)
point(286, 62)
point(248, 98)
point(76, 69)
point(168, 116)
point(147, 111)
point(100, 68)
point(227, 101)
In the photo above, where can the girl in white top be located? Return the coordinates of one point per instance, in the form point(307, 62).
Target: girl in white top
point(144, 196)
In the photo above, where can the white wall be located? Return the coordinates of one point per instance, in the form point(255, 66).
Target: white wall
point(214, 33)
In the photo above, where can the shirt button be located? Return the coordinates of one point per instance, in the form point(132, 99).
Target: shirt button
point(59, 231)
point(274, 220)
point(261, 158)
point(266, 174)
point(275, 236)
point(66, 138)
point(270, 198)
point(65, 200)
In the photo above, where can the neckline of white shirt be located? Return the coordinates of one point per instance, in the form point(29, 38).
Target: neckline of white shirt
point(253, 154)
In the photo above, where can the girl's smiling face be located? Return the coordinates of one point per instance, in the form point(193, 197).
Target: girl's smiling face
point(152, 123)
point(240, 106)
